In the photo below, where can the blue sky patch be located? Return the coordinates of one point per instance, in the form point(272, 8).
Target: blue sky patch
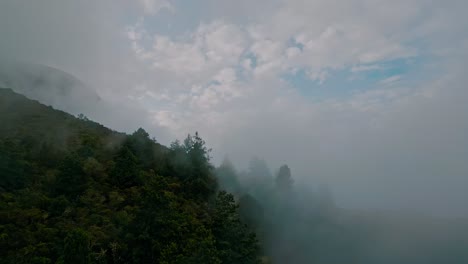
point(293, 43)
point(345, 82)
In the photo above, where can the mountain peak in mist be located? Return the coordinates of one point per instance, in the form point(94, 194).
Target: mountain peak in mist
point(48, 85)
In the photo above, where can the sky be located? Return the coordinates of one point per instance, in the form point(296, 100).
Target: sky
point(368, 96)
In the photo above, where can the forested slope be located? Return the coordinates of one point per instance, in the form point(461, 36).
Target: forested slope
point(73, 191)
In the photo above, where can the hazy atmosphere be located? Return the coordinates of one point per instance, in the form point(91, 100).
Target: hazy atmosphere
point(368, 97)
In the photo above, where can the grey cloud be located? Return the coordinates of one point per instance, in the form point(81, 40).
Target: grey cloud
point(406, 150)
point(408, 153)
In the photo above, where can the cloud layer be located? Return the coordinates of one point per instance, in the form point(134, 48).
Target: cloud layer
point(366, 95)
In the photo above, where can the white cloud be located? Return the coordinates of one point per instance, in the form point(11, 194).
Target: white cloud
point(202, 52)
point(391, 79)
point(364, 68)
point(200, 65)
point(220, 73)
point(237, 92)
point(320, 76)
point(152, 7)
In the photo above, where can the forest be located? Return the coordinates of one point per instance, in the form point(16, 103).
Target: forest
point(74, 191)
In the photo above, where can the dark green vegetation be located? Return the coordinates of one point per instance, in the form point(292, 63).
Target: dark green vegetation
point(73, 191)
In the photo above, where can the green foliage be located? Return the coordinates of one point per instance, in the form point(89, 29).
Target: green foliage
point(190, 163)
point(14, 170)
point(234, 241)
point(73, 191)
point(71, 180)
point(125, 171)
point(76, 247)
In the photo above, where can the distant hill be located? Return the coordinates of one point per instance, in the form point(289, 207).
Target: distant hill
point(63, 91)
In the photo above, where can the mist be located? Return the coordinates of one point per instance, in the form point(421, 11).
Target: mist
point(300, 224)
point(366, 98)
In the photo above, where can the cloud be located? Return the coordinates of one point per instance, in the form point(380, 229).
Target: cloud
point(201, 65)
point(390, 80)
point(152, 7)
point(211, 45)
point(363, 68)
point(360, 143)
point(318, 76)
point(219, 67)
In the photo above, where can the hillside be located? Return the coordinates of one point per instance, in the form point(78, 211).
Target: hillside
point(73, 191)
